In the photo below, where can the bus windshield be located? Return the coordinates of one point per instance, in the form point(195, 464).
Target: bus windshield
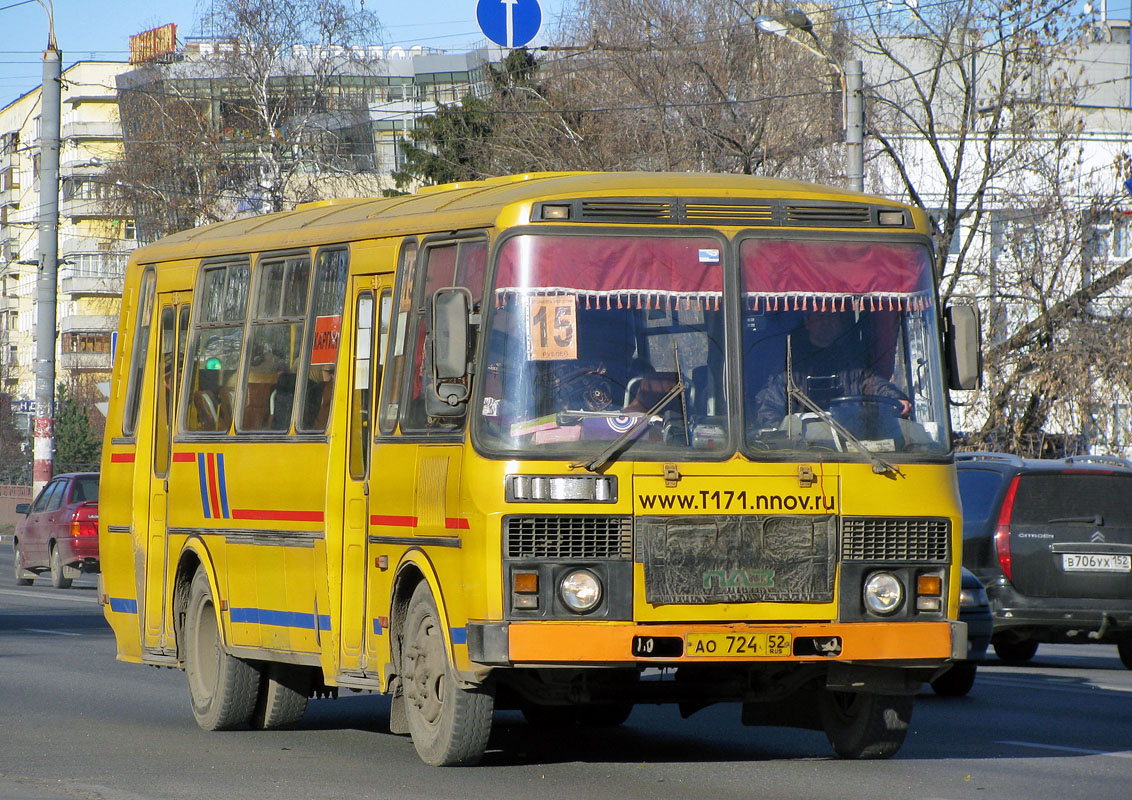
point(594, 336)
point(839, 346)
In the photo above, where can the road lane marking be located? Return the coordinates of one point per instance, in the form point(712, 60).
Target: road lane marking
point(57, 633)
point(1062, 748)
point(1090, 688)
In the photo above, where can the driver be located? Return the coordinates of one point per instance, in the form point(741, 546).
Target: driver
point(825, 365)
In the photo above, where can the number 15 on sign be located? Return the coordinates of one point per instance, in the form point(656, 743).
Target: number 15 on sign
point(553, 328)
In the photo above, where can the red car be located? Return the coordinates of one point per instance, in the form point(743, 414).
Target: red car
point(60, 532)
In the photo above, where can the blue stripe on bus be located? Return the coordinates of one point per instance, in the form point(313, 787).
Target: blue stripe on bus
point(377, 629)
point(459, 635)
point(223, 485)
point(123, 605)
point(203, 485)
point(279, 619)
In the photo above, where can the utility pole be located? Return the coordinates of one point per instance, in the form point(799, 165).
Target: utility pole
point(46, 285)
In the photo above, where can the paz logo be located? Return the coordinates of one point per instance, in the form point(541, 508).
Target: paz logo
point(739, 578)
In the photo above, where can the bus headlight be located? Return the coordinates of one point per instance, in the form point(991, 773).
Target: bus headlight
point(580, 590)
point(883, 593)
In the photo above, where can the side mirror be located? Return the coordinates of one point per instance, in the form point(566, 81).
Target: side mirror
point(23, 508)
point(448, 346)
point(963, 344)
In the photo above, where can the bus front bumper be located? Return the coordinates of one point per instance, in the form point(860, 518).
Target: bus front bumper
point(550, 643)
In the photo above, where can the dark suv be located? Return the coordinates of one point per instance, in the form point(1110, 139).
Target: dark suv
point(1051, 540)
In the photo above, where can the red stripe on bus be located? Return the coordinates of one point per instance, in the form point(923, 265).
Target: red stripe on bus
point(277, 514)
point(213, 495)
point(397, 522)
point(190, 457)
point(456, 524)
point(122, 458)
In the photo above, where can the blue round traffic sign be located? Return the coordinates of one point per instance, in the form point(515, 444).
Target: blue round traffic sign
point(509, 23)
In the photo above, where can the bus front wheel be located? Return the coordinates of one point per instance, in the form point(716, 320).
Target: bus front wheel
point(865, 725)
point(450, 725)
point(222, 688)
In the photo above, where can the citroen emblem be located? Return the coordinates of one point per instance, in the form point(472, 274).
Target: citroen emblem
point(1097, 537)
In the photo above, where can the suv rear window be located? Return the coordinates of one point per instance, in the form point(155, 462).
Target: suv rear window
point(978, 488)
point(1068, 496)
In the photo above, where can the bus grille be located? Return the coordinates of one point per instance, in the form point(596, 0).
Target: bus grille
point(568, 537)
point(887, 539)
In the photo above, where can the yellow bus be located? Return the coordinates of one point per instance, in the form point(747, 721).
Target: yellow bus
point(557, 442)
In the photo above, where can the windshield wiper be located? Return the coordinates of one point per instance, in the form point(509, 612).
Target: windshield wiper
point(605, 456)
point(794, 392)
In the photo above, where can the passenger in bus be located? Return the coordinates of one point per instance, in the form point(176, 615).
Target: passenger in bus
point(827, 363)
point(280, 402)
point(212, 411)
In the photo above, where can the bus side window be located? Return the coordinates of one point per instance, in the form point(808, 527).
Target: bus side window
point(214, 349)
point(391, 380)
point(275, 340)
point(138, 356)
point(328, 295)
point(460, 263)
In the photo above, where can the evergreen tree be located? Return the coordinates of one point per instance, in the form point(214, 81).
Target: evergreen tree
point(76, 445)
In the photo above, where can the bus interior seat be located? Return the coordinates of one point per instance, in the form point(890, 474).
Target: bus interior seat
point(648, 389)
point(702, 392)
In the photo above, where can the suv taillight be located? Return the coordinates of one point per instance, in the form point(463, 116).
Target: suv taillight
point(1002, 529)
point(84, 522)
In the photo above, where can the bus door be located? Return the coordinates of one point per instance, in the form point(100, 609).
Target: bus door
point(373, 304)
point(173, 323)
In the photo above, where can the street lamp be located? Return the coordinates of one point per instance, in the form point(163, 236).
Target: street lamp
point(46, 287)
point(852, 81)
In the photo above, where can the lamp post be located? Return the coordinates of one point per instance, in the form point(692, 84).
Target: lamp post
point(46, 286)
point(852, 87)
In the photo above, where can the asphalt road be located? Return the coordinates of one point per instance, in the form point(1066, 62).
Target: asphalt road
point(76, 724)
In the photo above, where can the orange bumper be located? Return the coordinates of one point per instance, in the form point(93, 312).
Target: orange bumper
point(612, 643)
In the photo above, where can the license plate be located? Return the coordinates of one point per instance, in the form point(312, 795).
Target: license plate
point(737, 645)
point(1092, 562)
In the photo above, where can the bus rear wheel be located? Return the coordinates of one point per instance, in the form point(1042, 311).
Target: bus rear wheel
point(864, 725)
point(222, 688)
point(450, 725)
point(283, 695)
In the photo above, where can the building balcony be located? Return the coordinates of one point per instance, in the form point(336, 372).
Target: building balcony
point(83, 286)
point(81, 208)
point(77, 362)
point(9, 304)
point(88, 323)
point(91, 129)
point(10, 196)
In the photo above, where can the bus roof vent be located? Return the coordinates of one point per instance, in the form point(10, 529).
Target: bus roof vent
point(636, 210)
point(828, 215)
point(729, 212)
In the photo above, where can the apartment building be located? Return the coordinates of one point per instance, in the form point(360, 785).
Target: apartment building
point(94, 243)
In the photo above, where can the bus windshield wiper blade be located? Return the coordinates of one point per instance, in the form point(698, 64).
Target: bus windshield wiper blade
point(880, 466)
point(605, 456)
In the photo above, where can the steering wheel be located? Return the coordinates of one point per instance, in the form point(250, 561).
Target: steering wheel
point(585, 390)
point(879, 403)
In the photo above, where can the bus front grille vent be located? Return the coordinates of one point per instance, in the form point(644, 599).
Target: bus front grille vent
point(895, 539)
point(725, 213)
point(640, 210)
point(567, 537)
point(828, 215)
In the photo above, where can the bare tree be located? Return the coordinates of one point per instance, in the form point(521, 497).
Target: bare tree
point(668, 85)
point(976, 109)
point(259, 117)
